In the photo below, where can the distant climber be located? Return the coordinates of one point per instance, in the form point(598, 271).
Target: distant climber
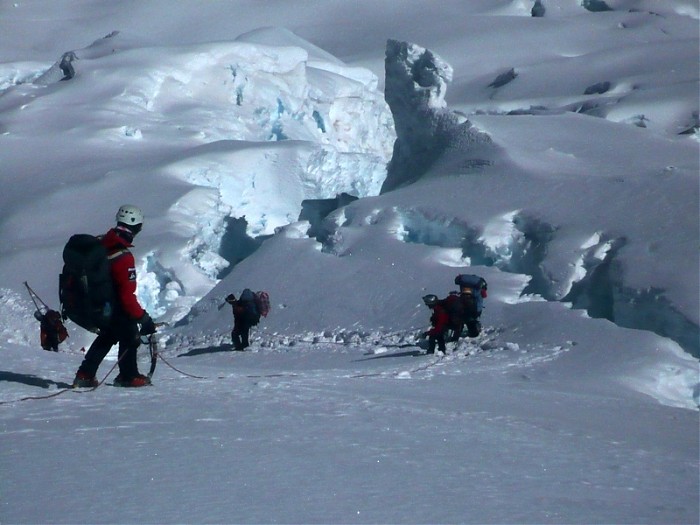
point(247, 310)
point(66, 65)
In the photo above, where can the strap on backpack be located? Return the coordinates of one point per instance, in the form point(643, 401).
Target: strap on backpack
point(117, 254)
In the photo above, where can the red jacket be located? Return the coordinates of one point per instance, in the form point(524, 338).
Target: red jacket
point(439, 320)
point(123, 269)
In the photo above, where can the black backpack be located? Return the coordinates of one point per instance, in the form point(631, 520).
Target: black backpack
point(478, 287)
point(85, 286)
point(470, 305)
point(249, 304)
point(454, 308)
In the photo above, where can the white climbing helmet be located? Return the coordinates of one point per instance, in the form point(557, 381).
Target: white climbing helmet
point(130, 215)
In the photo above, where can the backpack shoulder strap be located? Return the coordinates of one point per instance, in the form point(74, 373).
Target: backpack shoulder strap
point(117, 254)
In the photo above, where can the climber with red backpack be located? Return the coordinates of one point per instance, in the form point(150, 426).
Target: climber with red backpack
point(247, 310)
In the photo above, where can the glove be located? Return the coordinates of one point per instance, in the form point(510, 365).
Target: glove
point(230, 298)
point(148, 327)
point(425, 334)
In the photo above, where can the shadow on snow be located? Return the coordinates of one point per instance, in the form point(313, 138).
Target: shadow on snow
point(208, 350)
point(30, 380)
point(410, 353)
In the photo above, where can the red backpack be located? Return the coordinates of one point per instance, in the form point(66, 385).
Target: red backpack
point(262, 302)
point(52, 330)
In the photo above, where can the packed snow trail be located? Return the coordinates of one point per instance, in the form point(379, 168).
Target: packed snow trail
point(354, 433)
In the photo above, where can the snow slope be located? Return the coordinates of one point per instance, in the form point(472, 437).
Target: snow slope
point(557, 156)
point(324, 432)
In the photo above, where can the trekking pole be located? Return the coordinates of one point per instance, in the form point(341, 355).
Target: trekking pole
point(34, 297)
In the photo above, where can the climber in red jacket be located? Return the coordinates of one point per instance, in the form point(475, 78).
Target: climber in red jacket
point(439, 321)
point(127, 314)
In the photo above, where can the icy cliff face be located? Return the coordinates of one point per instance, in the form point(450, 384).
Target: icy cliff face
point(200, 136)
point(416, 83)
point(286, 127)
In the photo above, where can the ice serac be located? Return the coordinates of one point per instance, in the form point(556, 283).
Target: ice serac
point(294, 123)
point(415, 86)
point(254, 127)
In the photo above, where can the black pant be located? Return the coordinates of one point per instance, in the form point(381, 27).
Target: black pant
point(439, 339)
point(123, 331)
point(50, 334)
point(454, 332)
point(473, 328)
point(240, 335)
